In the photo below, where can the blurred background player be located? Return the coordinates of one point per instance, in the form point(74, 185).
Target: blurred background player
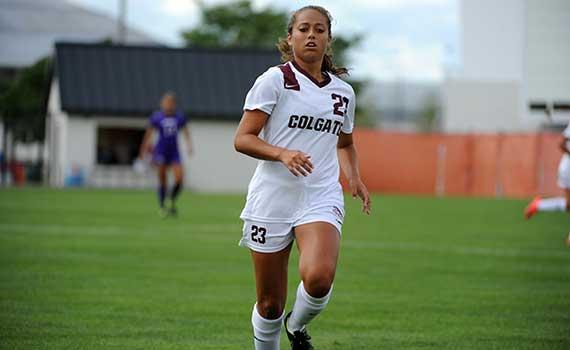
point(307, 115)
point(556, 203)
point(167, 122)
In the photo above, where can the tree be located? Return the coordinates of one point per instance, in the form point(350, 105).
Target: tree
point(238, 24)
point(22, 106)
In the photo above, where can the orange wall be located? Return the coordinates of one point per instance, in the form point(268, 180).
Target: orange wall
point(508, 165)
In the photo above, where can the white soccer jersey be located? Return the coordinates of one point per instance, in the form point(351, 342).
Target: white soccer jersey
point(564, 165)
point(307, 116)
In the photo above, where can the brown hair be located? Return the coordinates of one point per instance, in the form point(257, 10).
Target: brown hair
point(169, 94)
point(287, 51)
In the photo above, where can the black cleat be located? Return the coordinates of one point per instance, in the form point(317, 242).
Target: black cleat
point(300, 340)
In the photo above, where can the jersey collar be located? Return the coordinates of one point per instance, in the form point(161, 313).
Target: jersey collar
point(327, 78)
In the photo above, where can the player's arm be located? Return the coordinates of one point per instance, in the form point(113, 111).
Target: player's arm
point(146, 141)
point(247, 141)
point(348, 159)
point(187, 139)
point(564, 145)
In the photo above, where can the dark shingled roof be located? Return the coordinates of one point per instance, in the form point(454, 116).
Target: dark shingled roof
point(129, 80)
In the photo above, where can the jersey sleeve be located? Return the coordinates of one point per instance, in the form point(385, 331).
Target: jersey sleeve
point(182, 121)
point(348, 124)
point(265, 92)
point(153, 121)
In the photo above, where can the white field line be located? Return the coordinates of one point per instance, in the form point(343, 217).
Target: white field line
point(193, 228)
point(458, 250)
point(109, 229)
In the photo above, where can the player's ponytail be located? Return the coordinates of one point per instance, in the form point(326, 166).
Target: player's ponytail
point(329, 66)
point(287, 51)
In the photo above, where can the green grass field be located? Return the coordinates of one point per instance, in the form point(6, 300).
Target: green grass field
point(100, 270)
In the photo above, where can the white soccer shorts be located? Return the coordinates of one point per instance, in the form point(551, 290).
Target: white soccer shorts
point(271, 237)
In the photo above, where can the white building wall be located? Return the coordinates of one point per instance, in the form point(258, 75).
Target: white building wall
point(486, 94)
point(492, 39)
point(56, 137)
point(548, 50)
point(476, 106)
point(59, 146)
point(80, 150)
point(215, 165)
point(513, 52)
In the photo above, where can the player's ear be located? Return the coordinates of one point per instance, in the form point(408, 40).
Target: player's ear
point(289, 39)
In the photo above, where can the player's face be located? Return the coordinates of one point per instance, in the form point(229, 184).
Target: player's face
point(310, 36)
point(168, 105)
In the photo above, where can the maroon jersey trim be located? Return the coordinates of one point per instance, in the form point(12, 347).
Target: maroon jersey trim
point(290, 81)
point(327, 78)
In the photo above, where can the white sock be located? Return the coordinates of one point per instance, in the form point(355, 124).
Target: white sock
point(552, 204)
point(306, 308)
point(265, 332)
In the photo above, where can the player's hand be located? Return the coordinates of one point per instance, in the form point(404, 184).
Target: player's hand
point(297, 162)
point(358, 188)
point(144, 151)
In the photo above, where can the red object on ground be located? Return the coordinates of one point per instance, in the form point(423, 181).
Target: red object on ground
point(18, 173)
point(531, 208)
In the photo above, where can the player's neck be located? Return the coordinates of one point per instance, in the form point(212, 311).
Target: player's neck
point(313, 69)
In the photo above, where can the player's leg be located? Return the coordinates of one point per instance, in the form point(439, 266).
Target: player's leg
point(318, 244)
point(159, 162)
point(162, 169)
point(556, 203)
point(178, 180)
point(271, 288)
point(545, 204)
point(567, 193)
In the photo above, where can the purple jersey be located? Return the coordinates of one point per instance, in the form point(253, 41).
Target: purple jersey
point(166, 147)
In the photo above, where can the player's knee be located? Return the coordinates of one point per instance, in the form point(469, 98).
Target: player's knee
point(318, 282)
point(270, 308)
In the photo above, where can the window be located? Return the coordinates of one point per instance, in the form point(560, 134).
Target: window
point(542, 106)
point(118, 146)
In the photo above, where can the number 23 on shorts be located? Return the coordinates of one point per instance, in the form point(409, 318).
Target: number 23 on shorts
point(258, 234)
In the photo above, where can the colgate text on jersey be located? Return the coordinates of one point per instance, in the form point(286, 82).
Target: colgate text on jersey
point(316, 124)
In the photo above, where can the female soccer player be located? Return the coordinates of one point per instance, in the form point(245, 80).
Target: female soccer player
point(298, 120)
point(557, 203)
point(167, 122)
